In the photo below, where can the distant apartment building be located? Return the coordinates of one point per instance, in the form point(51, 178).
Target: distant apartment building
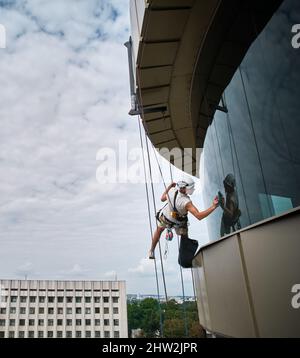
point(63, 309)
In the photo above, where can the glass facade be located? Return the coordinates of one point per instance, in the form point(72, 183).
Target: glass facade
point(252, 153)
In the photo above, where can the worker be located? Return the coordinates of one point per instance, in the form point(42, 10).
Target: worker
point(175, 213)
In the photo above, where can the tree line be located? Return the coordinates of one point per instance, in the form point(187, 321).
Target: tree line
point(144, 317)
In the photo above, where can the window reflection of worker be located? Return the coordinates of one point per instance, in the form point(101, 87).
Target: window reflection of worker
point(174, 213)
point(231, 212)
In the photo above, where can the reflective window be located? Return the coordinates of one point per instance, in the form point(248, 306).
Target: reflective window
point(252, 153)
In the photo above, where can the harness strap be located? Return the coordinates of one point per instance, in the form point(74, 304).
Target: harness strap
point(179, 216)
point(175, 197)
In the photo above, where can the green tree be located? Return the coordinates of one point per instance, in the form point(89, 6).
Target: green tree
point(145, 315)
point(174, 328)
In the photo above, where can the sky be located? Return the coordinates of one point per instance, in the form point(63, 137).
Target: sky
point(65, 96)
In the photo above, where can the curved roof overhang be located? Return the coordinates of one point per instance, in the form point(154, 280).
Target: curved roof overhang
point(186, 54)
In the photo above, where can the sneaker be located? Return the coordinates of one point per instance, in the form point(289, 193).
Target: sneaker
point(151, 255)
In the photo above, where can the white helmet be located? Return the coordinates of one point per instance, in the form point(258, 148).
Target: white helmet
point(187, 183)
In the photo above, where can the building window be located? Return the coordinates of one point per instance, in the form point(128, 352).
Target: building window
point(59, 334)
point(31, 334)
point(12, 322)
point(97, 334)
point(40, 334)
point(97, 322)
point(97, 309)
point(59, 322)
point(69, 322)
point(31, 322)
point(116, 310)
point(88, 334)
point(87, 310)
point(69, 334)
point(78, 310)
point(60, 310)
point(31, 310)
point(69, 299)
point(106, 334)
point(51, 299)
point(116, 322)
point(87, 299)
point(106, 322)
point(11, 334)
point(78, 334)
point(106, 310)
point(50, 334)
point(12, 310)
point(22, 310)
point(41, 310)
point(23, 299)
point(2, 310)
point(50, 310)
point(32, 299)
point(105, 299)
point(97, 299)
point(116, 334)
point(21, 322)
point(87, 322)
point(78, 322)
point(60, 299)
point(78, 299)
point(115, 299)
point(69, 310)
point(2, 322)
point(21, 334)
point(41, 322)
point(41, 299)
point(13, 299)
point(50, 322)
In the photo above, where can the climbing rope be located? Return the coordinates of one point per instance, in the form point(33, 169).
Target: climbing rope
point(151, 229)
point(155, 210)
point(181, 277)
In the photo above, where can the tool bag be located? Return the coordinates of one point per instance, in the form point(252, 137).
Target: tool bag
point(187, 250)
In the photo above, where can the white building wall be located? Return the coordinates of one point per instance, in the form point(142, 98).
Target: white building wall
point(66, 309)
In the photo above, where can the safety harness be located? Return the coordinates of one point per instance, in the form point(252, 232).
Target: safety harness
point(182, 219)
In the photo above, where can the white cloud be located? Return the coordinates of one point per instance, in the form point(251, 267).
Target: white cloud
point(65, 94)
point(75, 271)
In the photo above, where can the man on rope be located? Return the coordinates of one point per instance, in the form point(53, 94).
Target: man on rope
point(175, 213)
